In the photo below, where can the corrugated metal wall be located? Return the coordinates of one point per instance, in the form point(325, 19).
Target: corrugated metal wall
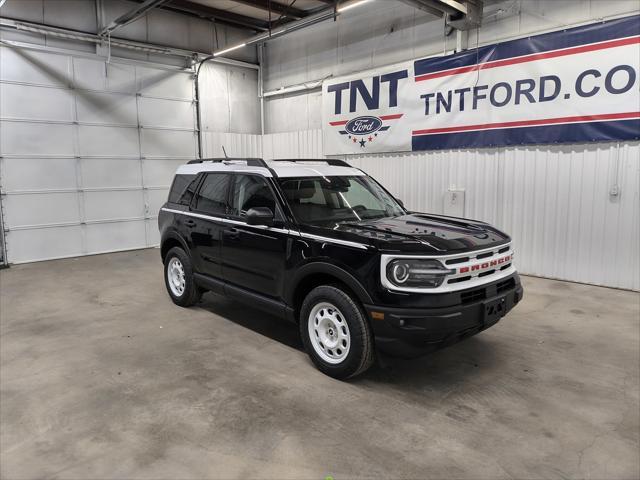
point(555, 201)
point(304, 144)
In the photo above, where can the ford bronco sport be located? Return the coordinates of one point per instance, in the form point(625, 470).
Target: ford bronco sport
point(324, 245)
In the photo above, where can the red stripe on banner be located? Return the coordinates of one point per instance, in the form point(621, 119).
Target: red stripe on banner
point(530, 58)
point(391, 117)
point(395, 116)
point(529, 123)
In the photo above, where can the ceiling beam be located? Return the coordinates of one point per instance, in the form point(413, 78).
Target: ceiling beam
point(210, 13)
point(131, 15)
point(275, 7)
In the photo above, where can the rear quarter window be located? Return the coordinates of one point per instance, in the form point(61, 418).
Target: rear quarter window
point(179, 189)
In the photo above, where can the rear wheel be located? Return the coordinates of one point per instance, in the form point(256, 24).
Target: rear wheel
point(178, 278)
point(335, 332)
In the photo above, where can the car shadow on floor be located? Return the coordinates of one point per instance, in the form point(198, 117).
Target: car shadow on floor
point(271, 326)
point(440, 367)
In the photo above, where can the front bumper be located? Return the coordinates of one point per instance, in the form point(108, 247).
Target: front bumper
point(411, 332)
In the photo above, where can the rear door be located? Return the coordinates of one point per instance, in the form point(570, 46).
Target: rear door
point(253, 256)
point(210, 206)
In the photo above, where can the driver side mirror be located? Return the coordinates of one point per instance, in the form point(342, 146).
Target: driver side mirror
point(400, 202)
point(260, 216)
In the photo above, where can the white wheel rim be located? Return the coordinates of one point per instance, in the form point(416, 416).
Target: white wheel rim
point(329, 333)
point(175, 276)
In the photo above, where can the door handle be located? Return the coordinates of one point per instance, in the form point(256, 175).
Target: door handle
point(232, 233)
point(190, 223)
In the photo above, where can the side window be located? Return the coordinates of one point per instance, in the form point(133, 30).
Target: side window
point(179, 189)
point(251, 191)
point(212, 196)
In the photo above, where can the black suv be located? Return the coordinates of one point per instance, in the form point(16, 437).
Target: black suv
point(326, 246)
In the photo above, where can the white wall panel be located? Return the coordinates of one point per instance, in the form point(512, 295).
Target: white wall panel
point(303, 144)
point(164, 83)
point(106, 108)
point(36, 139)
point(110, 172)
point(156, 112)
point(111, 205)
point(36, 103)
point(44, 243)
point(168, 143)
point(235, 144)
point(229, 99)
point(108, 141)
point(30, 66)
point(73, 140)
point(107, 237)
point(29, 209)
point(20, 174)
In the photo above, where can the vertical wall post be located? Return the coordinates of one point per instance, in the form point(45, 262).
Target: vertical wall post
point(261, 84)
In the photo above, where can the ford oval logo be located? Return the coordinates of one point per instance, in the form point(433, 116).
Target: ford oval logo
point(363, 125)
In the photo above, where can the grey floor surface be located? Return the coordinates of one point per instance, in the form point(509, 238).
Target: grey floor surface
point(103, 377)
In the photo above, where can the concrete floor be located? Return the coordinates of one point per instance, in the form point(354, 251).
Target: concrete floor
point(103, 377)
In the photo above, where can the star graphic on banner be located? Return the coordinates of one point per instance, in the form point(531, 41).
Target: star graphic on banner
point(362, 143)
point(370, 138)
point(355, 139)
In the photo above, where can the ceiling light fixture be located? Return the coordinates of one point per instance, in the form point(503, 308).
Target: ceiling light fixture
point(230, 49)
point(352, 5)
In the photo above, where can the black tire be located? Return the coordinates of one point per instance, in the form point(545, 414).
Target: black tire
point(360, 355)
point(191, 294)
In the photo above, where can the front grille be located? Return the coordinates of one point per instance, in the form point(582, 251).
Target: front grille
point(505, 285)
point(473, 295)
point(453, 261)
point(470, 267)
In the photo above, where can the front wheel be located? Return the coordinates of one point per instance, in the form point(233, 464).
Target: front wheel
point(335, 332)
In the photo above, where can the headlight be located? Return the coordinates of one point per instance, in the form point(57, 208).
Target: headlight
point(416, 272)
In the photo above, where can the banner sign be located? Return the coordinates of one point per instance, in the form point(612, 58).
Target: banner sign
point(577, 85)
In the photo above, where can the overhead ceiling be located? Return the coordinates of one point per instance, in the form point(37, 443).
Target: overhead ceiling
point(256, 15)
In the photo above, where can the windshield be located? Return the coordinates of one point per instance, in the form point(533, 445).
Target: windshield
point(330, 200)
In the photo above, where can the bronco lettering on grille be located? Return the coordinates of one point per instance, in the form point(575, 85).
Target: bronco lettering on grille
point(483, 266)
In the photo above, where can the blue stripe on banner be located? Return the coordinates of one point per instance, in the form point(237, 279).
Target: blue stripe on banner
point(567, 133)
point(572, 37)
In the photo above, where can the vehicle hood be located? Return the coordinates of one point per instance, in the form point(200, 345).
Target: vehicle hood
point(422, 233)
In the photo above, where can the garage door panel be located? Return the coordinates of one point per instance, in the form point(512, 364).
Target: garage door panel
point(111, 172)
point(36, 103)
point(29, 66)
point(153, 233)
point(106, 237)
point(156, 112)
point(89, 74)
point(168, 143)
point(121, 78)
point(112, 141)
point(155, 199)
point(160, 172)
point(107, 108)
point(164, 83)
point(40, 209)
point(44, 243)
point(112, 205)
point(26, 173)
point(36, 139)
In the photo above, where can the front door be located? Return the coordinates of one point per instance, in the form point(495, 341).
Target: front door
point(253, 256)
